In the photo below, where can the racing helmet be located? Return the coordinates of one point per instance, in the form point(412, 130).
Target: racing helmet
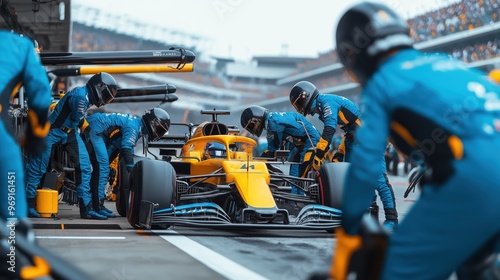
point(364, 33)
point(102, 88)
point(157, 122)
point(302, 96)
point(215, 150)
point(253, 119)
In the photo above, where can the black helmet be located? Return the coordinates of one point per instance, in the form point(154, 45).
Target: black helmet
point(215, 150)
point(157, 123)
point(365, 32)
point(253, 119)
point(103, 88)
point(302, 96)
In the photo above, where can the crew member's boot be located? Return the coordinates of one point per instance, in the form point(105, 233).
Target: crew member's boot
point(103, 210)
point(32, 213)
point(86, 211)
point(391, 218)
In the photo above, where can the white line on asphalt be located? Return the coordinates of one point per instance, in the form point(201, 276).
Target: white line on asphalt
point(208, 257)
point(83, 237)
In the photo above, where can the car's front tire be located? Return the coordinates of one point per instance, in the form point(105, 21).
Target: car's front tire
point(331, 179)
point(152, 181)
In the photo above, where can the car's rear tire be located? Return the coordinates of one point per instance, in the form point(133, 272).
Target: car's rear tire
point(153, 181)
point(122, 188)
point(331, 181)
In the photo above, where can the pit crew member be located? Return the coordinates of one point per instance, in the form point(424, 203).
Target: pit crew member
point(279, 127)
point(332, 110)
point(69, 111)
point(106, 135)
point(20, 64)
point(437, 107)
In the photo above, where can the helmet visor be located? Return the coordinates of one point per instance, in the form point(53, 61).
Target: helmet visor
point(217, 154)
point(159, 129)
point(300, 103)
point(215, 150)
point(254, 125)
point(105, 94)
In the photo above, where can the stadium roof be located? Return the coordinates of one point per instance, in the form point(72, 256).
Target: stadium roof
point(249, 71)
point(311, 73)
point(279, 59)
point(223, 59)
point(123, 24)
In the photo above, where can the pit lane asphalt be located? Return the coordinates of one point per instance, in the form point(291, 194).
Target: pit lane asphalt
point(112, 249)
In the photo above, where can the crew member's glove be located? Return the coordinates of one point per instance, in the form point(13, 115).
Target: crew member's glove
point(362, 254)
point(112, 175)
point(85, 134)
point(347, 245)
point(128, 158)
point(267, 154)
point(37, 130)
point(338, 157)
point(316, 163)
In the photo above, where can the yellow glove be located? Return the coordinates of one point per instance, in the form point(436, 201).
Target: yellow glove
point(316, 163)
point(347, 245)
point(338, 157)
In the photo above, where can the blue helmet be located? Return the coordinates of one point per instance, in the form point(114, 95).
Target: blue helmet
point(215, 150)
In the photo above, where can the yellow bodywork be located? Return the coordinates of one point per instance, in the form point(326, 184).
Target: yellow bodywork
point(252, 181)
point(251, 177)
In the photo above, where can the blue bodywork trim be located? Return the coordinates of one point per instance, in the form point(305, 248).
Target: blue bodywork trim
point(188, 206)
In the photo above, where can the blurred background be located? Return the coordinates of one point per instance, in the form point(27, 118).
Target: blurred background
point(248, 52)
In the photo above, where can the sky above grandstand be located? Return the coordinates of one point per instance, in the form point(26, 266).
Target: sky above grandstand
point(244, 28)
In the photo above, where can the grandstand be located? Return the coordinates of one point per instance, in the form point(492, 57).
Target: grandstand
point(466, 29)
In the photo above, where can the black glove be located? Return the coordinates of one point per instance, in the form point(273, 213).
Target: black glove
point(267, 154)
point(338, 157)
point(128, 158)
point(37, 130)
point(112, 175)
point(85, 134)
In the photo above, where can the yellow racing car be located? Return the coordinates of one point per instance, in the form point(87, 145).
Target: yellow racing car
point(216, 182)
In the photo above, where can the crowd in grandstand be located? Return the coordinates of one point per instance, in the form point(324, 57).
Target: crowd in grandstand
point(479, 51)
point(461, 16)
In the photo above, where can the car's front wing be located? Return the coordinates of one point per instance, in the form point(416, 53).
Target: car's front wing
point(211, 215)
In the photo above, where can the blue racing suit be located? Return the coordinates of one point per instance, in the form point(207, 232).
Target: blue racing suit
point(18, 63)
point(332, 110)
point(438, 109)
point(68, 112)
point(105, 130)
point(281, 125)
